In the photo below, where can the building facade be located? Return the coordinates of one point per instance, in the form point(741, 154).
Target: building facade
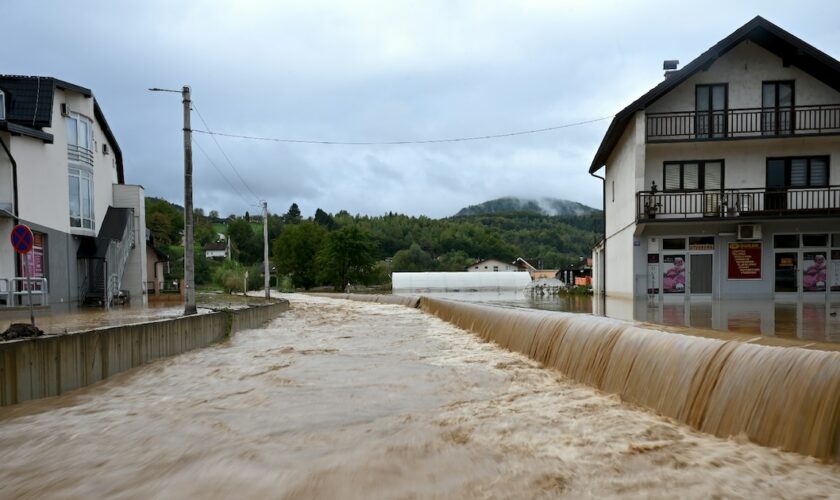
point(491, 265)
point(61, 173)
point(723, 181)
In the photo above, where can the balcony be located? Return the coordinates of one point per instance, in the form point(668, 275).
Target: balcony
point(754, 203)
point(78, 154)
point(744, 123)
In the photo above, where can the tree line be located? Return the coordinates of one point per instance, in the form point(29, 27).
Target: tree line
point(339, 249)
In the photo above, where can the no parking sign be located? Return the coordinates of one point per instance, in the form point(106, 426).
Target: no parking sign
point(22, 239)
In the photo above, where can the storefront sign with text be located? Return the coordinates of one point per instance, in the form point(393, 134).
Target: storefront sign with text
point(744, 261)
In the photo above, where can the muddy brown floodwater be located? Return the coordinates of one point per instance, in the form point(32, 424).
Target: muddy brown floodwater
point(340, 399)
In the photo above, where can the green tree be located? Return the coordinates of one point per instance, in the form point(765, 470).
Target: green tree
point(293, 215)
point(247, 242)
point(412, 259)
point(347, 257)
point(454, 261)
point(324, 219)
point(295, 252)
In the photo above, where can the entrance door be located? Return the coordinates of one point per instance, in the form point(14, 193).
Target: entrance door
point(777, 108)
point(786, 267)
point(710, 105)
point(700, 273)
point(777, 185)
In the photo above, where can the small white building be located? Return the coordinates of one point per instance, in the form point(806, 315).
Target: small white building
point(218, 250)
point(723, 181)
point(491, 265)
point(61, 173)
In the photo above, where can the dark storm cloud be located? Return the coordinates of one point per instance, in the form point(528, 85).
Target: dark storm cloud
point(359, 71)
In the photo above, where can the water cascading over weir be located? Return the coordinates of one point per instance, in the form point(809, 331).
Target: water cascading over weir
point(783, 397)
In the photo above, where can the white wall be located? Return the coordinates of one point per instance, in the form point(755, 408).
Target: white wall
point(744, 68)
point(487, 266)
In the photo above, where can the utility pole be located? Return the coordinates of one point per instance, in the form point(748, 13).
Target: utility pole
point(266, 266)
point(189, 256)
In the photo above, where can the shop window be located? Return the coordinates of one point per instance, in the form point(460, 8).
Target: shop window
point(673, 243)
point(814, 240)
point(835, 240)
point(701, 243)
point(786, 241)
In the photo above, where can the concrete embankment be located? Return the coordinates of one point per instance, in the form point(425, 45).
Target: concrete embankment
point(401, 300)
point(47, 366)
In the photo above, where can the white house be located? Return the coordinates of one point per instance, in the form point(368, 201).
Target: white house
point(61, 173)
point(724, 180)
point(492, 265)
point(218, 250)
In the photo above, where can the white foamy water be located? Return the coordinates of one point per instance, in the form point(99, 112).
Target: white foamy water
point(341, 399)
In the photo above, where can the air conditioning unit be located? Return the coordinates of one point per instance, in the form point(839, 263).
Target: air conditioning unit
point(749, 231)
point(65, 109)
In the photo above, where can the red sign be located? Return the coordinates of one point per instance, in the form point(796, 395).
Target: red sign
point(22, 239)
point(744, 261)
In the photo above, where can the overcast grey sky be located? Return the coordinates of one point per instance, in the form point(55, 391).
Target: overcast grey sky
point(374, 71)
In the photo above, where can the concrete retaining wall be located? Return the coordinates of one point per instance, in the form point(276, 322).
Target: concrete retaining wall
point(51, 365)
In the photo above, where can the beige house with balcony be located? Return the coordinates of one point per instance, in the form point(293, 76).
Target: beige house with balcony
point(723, 181)
point(61, 173)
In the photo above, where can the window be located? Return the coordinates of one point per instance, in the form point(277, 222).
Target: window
point(814, 240)
point(2, 105)
point(79, 131)
point(710, 102)
point(799, 172)
point(495, 269)
point(693, 175)
point(673, 244)
point(777, 101)
point(81, 198)
point(786, 241)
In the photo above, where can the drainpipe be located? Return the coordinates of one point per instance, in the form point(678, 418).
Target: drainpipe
point(604, 208)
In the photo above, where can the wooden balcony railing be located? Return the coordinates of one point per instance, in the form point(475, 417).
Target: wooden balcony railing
point(823, 119)
point(738, 203)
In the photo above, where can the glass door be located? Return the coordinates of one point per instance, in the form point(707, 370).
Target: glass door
point(777, 108)
point(710, 106)
point(785, 266)
point(700, 274)
point(777, 185)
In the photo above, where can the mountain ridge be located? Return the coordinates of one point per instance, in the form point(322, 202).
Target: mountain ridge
point(542, 206)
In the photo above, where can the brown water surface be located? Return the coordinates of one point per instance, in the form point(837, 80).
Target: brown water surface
point(341, 399)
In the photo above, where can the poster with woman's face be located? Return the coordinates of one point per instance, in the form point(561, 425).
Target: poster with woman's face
point(815, 274)
point(673, 275)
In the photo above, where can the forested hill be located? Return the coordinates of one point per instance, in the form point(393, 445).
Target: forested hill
point(544, 206)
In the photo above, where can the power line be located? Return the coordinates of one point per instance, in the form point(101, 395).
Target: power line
point(220, 171)
point(397, 143)
point(235, 170)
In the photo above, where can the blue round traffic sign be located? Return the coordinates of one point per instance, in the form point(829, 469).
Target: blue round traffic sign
point(22, 239)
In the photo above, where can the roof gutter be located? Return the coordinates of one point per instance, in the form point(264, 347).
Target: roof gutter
point(604, 227)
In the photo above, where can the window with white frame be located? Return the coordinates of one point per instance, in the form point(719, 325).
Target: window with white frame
point(81, 198)
point(80, 171)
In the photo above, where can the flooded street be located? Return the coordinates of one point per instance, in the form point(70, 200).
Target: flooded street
point(342, 399)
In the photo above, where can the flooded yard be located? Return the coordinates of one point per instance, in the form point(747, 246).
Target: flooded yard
point(342, 399)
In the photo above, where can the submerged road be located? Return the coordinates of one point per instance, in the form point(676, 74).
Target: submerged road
point(340, 399)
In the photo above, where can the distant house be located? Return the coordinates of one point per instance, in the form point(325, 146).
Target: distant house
point(579, 274)
point(491, 265)
point(536, 274)
point(61, 173)
point(217, 250)
point(157, 265)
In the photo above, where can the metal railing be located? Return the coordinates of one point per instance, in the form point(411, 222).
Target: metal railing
point(79, 154)
point(755, 202)
point(18, 287)
point(117, 258)
point(821, 119)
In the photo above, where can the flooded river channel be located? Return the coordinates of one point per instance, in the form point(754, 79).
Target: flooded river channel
point(342, 399)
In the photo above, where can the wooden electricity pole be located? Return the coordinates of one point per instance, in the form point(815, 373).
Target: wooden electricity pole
point(266, 265)
point(189, 256)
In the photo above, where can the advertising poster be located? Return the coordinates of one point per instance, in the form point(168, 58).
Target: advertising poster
point(36, 261)
point(744, 261)
point(815, 273)
point(835, 270)
point(653, 273)
point(673, 275)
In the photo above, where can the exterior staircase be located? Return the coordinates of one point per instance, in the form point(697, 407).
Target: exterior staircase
point(107, 267)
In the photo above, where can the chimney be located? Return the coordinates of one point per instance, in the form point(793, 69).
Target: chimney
point(670, 66)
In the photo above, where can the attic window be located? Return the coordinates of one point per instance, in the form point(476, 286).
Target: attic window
point(2, 105)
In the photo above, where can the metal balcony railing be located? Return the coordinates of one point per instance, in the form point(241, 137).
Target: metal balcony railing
point(78, 154)
point(822, 119)
point(738, 203)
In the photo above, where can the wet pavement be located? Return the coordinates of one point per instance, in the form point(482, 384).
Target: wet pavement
point(342, 399)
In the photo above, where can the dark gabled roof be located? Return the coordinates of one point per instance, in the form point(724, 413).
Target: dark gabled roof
point(215, 246)
point(29, 101)
point(791, 49)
